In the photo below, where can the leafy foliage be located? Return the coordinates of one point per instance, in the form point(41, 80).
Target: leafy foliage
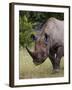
point(30, 21)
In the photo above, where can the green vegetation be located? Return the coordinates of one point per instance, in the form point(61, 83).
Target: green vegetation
point(28, 70)
point(30, 21)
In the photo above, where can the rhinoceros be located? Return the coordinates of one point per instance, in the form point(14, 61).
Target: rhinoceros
point(49, 42)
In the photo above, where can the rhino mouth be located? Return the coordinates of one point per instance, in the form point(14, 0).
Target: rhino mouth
point(37, 62)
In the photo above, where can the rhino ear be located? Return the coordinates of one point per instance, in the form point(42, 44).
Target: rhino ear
point(33, 37)
point(46, 37)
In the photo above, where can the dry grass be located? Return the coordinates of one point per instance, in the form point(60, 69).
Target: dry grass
point(28, 70)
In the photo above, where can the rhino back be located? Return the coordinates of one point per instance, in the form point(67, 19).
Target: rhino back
point(55, 29)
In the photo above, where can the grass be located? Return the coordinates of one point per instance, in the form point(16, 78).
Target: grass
point(28, 70)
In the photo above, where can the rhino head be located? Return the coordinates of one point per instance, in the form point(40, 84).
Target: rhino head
point(41, 49)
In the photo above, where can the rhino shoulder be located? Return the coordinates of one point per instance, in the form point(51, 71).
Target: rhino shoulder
point(54, 24)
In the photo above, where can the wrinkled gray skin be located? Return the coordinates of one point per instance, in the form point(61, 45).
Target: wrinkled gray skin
point(49, 43)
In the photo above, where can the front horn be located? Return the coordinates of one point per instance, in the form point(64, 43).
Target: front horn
point(30, 53)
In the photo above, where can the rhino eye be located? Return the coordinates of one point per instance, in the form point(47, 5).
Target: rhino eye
point(33, 37)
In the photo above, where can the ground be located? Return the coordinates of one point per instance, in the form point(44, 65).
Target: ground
point(28, 70)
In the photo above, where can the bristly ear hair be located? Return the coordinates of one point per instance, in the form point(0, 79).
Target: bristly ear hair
point(33, 37)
